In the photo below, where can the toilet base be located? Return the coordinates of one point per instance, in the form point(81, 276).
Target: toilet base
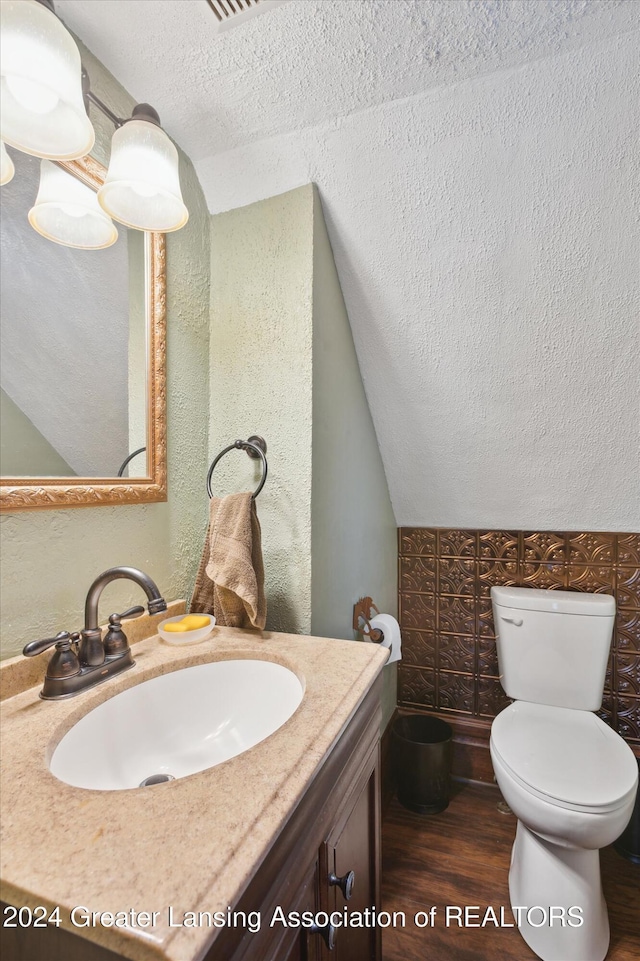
point(546, 875)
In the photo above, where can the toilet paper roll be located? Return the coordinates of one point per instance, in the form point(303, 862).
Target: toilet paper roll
point(391, 631)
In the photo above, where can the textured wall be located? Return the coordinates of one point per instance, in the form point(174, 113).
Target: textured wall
point(353, 529)
point(49, 558)
point(261, 382)
point(283, 365)
point(487, 241)
point(450, 663)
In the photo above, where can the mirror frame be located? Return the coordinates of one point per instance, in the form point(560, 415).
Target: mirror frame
point(52, 493)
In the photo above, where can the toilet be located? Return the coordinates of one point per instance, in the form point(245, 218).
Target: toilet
point(570, 780)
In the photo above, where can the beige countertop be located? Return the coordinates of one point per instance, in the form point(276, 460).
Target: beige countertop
point(188, 845)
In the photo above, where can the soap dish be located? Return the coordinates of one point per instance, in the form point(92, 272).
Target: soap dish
point(180, 639)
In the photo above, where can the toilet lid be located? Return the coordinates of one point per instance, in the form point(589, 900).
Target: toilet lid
point(569, 756)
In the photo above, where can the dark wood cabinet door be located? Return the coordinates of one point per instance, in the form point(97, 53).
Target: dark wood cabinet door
point(300, 944)
point(354, 846)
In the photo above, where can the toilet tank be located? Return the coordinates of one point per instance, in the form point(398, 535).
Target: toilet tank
point(553, 646)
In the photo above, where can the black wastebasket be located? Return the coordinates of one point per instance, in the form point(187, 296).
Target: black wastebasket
point(422, 755)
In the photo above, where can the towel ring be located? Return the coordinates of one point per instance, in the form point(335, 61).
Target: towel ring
point(255, 447)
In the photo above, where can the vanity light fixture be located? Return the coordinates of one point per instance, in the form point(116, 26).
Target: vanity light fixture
point(142, 185)
point(7, 169)
point(45, 100)
point(41, 105)
point(67, 211)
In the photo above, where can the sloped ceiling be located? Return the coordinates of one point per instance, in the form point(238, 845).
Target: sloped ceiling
point(477, 165)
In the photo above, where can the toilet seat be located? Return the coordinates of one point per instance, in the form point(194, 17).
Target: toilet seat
point(569, 758)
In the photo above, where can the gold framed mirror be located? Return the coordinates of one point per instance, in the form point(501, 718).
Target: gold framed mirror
point(19, 493)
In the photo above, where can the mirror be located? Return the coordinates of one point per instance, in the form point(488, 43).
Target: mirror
point(82, 370)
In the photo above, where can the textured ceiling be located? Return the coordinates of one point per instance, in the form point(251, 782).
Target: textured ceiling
point(476, 160)
point(310, 62)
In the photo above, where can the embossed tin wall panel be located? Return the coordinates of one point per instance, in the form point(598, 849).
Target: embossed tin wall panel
point(445, 577)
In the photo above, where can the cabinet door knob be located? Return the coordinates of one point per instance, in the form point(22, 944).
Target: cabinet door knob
point(327, 932)
point(345, 883)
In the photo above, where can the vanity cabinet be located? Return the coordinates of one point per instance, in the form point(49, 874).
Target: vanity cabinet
point(333, 829)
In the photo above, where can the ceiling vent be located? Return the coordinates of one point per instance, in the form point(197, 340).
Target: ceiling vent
point(231, 13)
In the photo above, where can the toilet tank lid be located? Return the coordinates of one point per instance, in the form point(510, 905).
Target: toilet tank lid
point(559, 602)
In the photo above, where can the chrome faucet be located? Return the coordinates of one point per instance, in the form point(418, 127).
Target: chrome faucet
point(75, 667)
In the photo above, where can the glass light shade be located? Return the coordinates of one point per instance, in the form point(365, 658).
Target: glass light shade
point(142, 186)
point(67, 211)
point(7, 169)
point(42, 111)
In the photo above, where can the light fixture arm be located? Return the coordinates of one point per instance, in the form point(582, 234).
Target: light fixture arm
point(90, 97)
point(141, 111)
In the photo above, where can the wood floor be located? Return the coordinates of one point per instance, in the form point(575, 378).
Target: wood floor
point(461, 857)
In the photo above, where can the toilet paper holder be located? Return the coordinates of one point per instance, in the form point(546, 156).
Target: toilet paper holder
point(362, 612)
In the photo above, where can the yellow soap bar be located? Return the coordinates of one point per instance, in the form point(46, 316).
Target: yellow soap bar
point(176, 627)
point(194, 621)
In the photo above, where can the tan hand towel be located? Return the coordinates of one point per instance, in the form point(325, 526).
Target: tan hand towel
point(230, 579)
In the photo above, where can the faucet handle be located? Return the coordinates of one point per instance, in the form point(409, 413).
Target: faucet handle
point(132, 612)
point(64, 662)
point(115, 640)
point(37, 647)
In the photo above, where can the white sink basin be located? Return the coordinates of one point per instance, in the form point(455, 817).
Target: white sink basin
point(177, 724)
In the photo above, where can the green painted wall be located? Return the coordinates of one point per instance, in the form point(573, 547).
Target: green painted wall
point(261, 372)
point(49, 558)
point(283, 365)
point(353, 527)
point(258, 341)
